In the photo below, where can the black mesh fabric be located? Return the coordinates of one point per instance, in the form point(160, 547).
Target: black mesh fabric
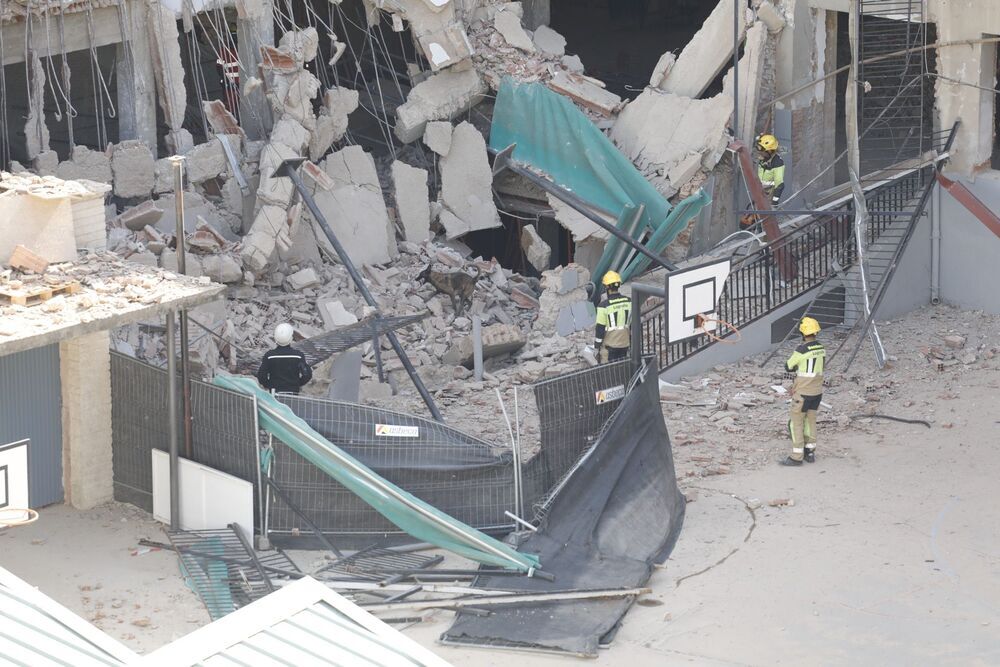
point(619, 512)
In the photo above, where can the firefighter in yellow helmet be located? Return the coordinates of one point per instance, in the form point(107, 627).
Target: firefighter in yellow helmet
point(614, 315)
point(770, 167)
point(807, 392)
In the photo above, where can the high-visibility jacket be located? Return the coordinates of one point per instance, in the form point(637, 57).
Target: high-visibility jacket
point(771, 173)
point(807, 364)
point(614, 316)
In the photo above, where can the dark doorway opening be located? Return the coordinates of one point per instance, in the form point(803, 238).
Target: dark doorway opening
point(504, 243)
point(991, 71)
point(620, 41)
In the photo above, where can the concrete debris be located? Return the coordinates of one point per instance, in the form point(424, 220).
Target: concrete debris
point(134, 170)
point(88, 164)
point(46, 163)
point(205, 161)
point(221, 120)
point(437, 136)
point(138, 217)
point(467, 184)
point(707, 53)
point(260, 244)
point(276, 191)
point(355, 208)
point(331, 124)
point(301, 45)
point(771, 17)
point(581, 227)
point(587, 92)
point(412, 205)
point(440, 97)
point(658, 131)
point(563, 305)
point(572, 64)
point(662, 69)
point(221, 268)
point(549, 41)
point(537, 251)
point(163, 179)
point(954, 341)
point(498, 339)
point(300, 280)
point(334, 314)
point(508, 24)
point(36, 132)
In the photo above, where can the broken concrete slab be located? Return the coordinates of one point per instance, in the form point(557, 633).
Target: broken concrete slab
point(275, 190)
point(572, 63)
point(304, 249)
point(355, 208)
point(662, 69)
point(412, 203)
point(684, 171)
point(658, 130)
point(163, 180)
point(302, 45)
point(259, 245)
point(300, 280)
point(222, 268)
point(708, 52)
point(771, 16)
point(467, 183)
point(331, 124)
point(289, 132)
point(508, 24)
point(221, 120)
point(581, 227)
point(46, 163)
point(334, 314)
point(549, 41)
point(498, 339)
point(137, 217)
point(441, 96)
point(586, 92)
point(437, 136)
point(345, 377)
point(536, 251)
point(85, 163)
point(205, 161)
point(134, 169)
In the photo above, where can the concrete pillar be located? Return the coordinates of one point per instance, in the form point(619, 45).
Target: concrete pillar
point(253, 30)
point(85, 370)
point(136, 81)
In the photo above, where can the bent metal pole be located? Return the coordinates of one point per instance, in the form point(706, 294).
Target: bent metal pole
point(288, 169)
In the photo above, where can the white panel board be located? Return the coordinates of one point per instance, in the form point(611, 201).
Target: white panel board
point(209, 498)
point(14, 475)
point(692, 292)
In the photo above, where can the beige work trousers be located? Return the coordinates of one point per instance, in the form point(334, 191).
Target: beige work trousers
point(802, 424)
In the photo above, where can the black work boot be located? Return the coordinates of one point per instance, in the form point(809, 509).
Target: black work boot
point(789, 461)
point(810, 455)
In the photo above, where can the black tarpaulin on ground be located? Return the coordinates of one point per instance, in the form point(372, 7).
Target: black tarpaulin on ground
point(618, 513)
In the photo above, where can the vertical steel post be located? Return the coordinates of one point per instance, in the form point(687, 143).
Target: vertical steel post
point(178, 164)
point(175, 513)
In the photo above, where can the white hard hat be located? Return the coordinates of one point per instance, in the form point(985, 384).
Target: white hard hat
point(283, 334)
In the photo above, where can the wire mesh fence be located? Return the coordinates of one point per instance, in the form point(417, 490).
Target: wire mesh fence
point(475, 481)
point(223, 434)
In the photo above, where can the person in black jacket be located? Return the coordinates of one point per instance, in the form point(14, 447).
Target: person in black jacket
point(284, 369)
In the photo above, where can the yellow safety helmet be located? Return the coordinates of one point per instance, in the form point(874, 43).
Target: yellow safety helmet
point(611, 278)
point(767, 142)
point(808, 326)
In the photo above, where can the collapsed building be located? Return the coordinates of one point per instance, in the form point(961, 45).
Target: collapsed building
point(414, 127)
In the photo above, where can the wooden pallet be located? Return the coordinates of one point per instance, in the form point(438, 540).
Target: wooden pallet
point(35, 296)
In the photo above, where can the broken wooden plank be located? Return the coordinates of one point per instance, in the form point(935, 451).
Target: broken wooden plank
point(531, 598)
point(25, 260)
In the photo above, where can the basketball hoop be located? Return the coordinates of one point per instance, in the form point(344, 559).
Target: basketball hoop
point(701, 322)
point(17, 516)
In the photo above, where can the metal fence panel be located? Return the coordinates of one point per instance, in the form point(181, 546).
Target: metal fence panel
point(30, 400)
point(224, 429)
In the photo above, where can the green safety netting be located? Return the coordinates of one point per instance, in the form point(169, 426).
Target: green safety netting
point(553, 136)
point(403, 509)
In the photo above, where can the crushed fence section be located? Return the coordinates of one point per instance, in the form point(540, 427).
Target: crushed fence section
point(224, 429)
point(462, 475)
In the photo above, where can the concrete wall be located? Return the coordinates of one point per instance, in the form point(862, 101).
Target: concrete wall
point(85, 369)
point(969, 251)
point(911, 284)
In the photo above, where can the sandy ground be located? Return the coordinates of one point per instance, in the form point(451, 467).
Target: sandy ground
point(889, 553)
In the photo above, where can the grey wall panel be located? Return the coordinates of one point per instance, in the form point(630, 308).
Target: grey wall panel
point(31, 407)
point(970, 251)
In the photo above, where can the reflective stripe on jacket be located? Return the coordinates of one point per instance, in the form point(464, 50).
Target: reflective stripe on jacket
point(807, 364)
point(614, 316)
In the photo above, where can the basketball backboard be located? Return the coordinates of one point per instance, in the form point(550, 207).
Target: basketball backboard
point(692, 292)
point(14, 475)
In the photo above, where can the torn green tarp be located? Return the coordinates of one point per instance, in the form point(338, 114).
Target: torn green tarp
point(406, 511)
point(554, 137)
point(679, 218)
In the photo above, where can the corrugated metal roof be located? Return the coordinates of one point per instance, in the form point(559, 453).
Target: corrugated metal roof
point(37, 631)
point(304, 623)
